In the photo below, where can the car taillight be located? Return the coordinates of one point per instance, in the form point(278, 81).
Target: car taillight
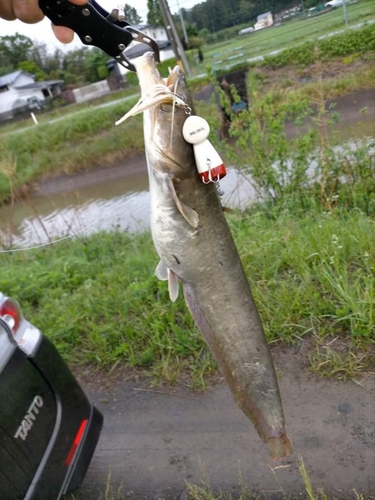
point(76, 442)
point(11, 313)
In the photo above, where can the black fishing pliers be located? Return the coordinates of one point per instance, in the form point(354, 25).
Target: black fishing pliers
point(95, 26)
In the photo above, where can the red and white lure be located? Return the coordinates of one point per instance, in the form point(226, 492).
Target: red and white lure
point(209, 164)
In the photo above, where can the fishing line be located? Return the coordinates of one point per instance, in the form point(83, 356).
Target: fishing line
point(59, 240)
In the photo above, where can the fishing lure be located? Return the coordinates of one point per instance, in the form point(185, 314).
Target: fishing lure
point(210, 166)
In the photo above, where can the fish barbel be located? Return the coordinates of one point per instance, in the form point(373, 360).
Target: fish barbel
point(195, 245)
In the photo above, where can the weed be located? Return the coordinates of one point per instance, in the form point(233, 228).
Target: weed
point(207, 492)
point(343, 366)
point(99, 301)
point(70, 145)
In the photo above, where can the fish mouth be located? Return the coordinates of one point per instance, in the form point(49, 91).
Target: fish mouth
point(176, 82)
point(157, 91)
point(152, 83)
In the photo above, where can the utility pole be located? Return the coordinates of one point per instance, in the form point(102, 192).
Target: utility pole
point(174, 38)
point(345, 12)
point(169, 29)
point(183, 24)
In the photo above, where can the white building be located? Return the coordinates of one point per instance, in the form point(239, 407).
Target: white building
point(244, 31)
point(156, 32)
point(264, 21)
point(20, 91)
point(137, 49)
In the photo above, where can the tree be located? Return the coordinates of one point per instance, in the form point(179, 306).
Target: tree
point(246, 10)
point(53, 63)
point(33, 68)
point(49, 62)
point(74, 64)
point(154, 16)
point(311, 3)
point(216, 15)
point(14, 49)
point(131, 15)
point(96, 64)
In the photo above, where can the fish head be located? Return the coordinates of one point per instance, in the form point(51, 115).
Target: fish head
point(151, 82)
point(166, 103)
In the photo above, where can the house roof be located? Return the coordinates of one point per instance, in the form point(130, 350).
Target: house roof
point(140, 48)
point(141, 27)
point(263, 16)
point(39, 85)
point(12, 77)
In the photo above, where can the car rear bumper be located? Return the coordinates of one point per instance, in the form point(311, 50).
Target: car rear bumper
point(84, 453)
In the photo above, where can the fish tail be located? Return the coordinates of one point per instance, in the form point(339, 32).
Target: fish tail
point(280, 446)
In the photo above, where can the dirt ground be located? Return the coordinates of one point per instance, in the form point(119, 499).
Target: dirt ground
point(289, 76)
point(156, 440)
point(69, 182)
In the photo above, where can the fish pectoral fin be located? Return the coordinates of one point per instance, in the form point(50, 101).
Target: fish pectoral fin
point(161, 271)
point(173, 285)
point(189, 214)
point(228, 210)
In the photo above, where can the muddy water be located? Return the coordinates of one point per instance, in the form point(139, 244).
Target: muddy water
point(101, 200)
point(117, 197)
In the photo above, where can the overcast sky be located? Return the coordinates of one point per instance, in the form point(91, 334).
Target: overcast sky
point(41, 32)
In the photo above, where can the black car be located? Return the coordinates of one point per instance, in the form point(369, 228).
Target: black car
point(48, 428)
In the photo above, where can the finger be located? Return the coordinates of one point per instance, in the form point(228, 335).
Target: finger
point(6, 10)
point(64, 35)
point(27, 11)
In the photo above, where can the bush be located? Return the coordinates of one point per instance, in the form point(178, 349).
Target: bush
point(192, 56)
point(131, 78)
point(164, 66)
point(352, 41)
point(307, 169)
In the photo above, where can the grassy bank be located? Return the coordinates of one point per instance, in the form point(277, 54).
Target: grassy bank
point(98, 299)
point(316, 79)
point(78, 142)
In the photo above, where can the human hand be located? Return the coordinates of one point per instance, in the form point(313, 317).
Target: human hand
point(28, 11)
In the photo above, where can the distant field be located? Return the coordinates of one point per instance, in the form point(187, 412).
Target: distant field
point(293, 32)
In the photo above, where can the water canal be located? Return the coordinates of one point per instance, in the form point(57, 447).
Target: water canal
point(117, 197)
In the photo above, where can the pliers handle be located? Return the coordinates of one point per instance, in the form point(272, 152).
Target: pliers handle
point(95, 26)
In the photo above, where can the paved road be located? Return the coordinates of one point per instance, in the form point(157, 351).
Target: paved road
point(154, 442)
point(75, 113)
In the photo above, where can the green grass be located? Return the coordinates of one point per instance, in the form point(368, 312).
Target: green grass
point(78, 142)
point(71, 109)
point(311, 275)
point(99, 301)
point(294, 32)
